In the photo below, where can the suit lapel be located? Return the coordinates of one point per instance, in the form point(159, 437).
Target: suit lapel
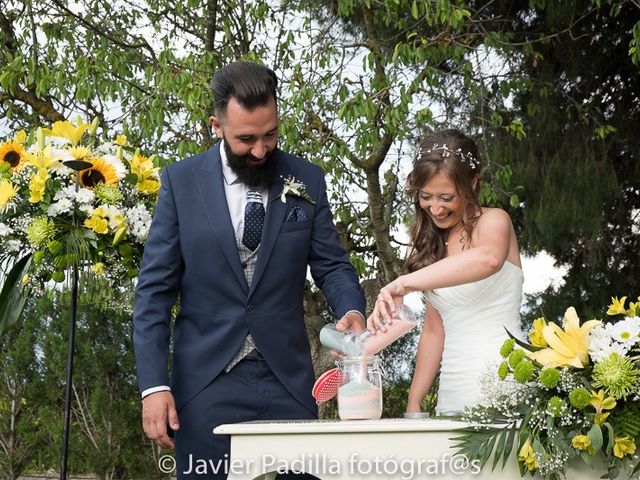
point(210, 183)
point(274, 218)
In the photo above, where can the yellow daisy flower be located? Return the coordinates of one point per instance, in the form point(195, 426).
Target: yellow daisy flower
point(79, 153)
point(7, 192)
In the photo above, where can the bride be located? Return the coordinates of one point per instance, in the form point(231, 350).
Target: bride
point(466, 258)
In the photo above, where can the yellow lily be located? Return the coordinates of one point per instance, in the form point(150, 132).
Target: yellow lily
point(20, 136)
point(43, 159)
point(68, 130)
point(617, 306)
point(568, 346)
point(535, 335)
point(600, 403)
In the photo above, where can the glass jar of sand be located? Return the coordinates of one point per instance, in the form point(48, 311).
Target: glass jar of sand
point(360, 391)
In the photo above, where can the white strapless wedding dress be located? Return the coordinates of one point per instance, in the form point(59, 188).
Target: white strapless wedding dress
point(475, 316)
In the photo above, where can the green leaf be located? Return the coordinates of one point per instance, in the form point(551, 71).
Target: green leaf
point(595, 434)
point(587, 458)
point(610, 438)
point(12, 295)
point(524, 345)
point(509, 445)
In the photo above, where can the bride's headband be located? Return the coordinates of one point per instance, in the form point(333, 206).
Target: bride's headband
point(447, 152)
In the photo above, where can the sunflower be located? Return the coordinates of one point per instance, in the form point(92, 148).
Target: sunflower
point(100, 172)
point(13, 153)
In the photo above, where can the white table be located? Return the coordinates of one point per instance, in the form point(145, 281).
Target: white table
point(372, 449)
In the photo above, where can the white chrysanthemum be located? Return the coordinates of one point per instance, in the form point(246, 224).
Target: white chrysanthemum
point(615, 347)
point(116, 163)
point(57, 142)
point(599, 342)
point(5, 230)
point(139, 220)
point(625, 331)
point(61, 206)
point(84, 196)
point(86, 208)
point(66, 197)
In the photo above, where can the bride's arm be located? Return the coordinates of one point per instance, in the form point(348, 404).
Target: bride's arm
point(491, 241)
point(427, 359)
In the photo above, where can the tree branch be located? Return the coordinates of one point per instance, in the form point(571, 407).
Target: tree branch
point(103, 33)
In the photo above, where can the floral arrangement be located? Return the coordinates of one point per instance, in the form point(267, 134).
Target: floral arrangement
point(295, 188)
point(70, 200)
point(581, 389)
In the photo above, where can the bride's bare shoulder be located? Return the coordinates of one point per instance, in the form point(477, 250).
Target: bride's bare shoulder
point(493, 216)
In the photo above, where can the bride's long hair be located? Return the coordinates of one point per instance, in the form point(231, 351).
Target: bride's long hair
point(453, 153)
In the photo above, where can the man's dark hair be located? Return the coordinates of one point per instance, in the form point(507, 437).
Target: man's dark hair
point(249, 83)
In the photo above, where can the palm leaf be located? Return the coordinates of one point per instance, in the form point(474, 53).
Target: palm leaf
point(505, 445)
point(12, 295)
point(477, 444)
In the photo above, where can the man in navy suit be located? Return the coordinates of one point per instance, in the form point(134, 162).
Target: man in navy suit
point(234, 231)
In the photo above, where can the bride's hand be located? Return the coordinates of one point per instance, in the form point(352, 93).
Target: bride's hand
point(384, 309)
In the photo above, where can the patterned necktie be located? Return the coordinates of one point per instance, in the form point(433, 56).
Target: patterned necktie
point(253, 220)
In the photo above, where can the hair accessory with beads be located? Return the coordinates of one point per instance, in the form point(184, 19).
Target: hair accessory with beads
point(447, 152)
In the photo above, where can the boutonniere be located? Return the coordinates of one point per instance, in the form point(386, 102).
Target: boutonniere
point(294, 187)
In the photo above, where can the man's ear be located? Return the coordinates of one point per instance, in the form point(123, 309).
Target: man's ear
point(217, 126)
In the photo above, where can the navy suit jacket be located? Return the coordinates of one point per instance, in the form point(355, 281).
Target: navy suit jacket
point(191, 254)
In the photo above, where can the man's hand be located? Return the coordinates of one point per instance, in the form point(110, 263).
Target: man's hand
point(351, 321)
point(158, 409)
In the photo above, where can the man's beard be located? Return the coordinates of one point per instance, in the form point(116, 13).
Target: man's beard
point(259, 176)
